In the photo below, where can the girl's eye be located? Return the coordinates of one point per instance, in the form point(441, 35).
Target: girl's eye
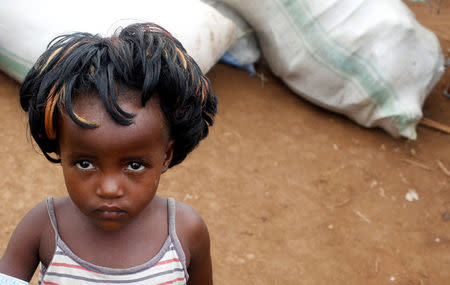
point(84, 165)
point(135, 166)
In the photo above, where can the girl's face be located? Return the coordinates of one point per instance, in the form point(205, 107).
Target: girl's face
point(112, 172)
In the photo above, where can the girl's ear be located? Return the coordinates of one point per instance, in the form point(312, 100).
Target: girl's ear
point(168, 156)
point(58, 152)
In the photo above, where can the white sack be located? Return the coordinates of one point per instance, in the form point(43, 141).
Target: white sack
point(370, 60)
point(26, 27)
point(245, 50)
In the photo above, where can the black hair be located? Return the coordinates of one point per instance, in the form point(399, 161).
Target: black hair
point(141, 56)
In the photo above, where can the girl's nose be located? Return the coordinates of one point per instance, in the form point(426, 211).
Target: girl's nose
point(109, 187)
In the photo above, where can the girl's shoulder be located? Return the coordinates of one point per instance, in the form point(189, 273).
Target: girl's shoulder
point(192, 233)
point(189, 223)
point(34, 223)
point(194, 237)
point(24, 248)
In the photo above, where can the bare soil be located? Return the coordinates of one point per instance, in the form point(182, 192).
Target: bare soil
point(291, 193)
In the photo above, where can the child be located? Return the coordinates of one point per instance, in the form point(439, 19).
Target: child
point(116, 113)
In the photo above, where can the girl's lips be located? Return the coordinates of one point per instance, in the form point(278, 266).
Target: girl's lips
point(110, 212)
point(110, 208)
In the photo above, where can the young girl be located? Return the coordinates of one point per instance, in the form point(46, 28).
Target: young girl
point(116, 113)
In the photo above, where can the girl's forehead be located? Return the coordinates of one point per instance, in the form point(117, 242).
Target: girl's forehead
point(85, 101)
point(148, 125)
point(90, 108)
point(90, 104)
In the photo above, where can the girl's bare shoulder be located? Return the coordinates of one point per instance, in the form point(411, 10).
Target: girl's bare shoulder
point(22, 253)
point(33, 223)
point(194, 237)
point(189, 224)
point(191, 229)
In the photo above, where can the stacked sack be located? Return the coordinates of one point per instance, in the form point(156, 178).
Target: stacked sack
point(26, 27)
point(369, 60)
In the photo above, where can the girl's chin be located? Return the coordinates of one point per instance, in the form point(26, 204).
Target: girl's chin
point(110, 225)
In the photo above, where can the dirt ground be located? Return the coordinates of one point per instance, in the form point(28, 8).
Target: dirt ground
point(291, 193)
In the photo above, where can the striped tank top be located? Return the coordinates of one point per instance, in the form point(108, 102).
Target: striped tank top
point(167, 267)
